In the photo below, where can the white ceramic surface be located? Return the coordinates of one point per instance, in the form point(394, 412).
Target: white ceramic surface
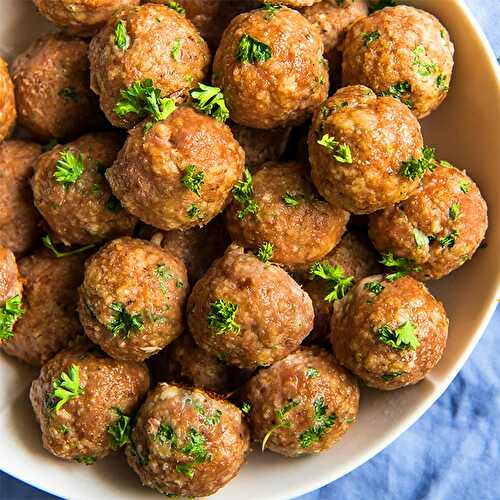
point(466, 131)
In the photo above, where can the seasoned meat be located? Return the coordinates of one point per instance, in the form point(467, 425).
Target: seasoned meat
point(8, 112)
point(11, 287)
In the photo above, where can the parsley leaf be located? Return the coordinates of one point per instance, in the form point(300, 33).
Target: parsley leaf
point(424, 67)
point(271, 9)
point(369, 38)
point(69, 168)
point(281, 421)
point(441, 82)
point(397, 90)
point(47, 242)
point(449, 240)
point(193, 179)
point(194, 448)
point(120, 431)
point(312, 372)
point(265, 251)
point(166, 435)
point(402, 266)
point(391, 376)
point(341, 152)
point(375, 287)
point(464, 186)
point(66, 387)
point(421, 239)
point(122, 40)
point(338, 283)
point(242, 193)
point(210, 100)
point(290, 200)
point(9, 314)
point(86, 459)
point(177, 7)
point(416, 167)
point(193, 211)
point(163, 274)
point(400, 338)
point(321, 426)
point(222, 316)
point(454, 211)
point(176, 50)
point(123, 322)
point(252, 51)
point(246, 408)
point(141, 459)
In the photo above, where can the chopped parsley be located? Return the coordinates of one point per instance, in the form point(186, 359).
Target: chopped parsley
point(401, 266)
point(271, 10)
point(166, 435)
point(246, 408)
point(381, 4)
point(69, 168)
point(322, 424)
point(9, 314)
point(141, 459)
point(374, 287)
point(123, 322)
point(464, 186)
point(113, 204)
point(193, 179)
point(449, 240)
point(195, 449)
point(66, 387)
point(68, 93)
point(391, 376)
point(312, 373)
point(416, 167)
point(397, 90)
point(221, 317)
point(193, 211)
point(119, 431)
point(47, 242)
point(424, 67)
point(86, 459)
point(341, 152)
point(210, 100)
point(163, 274)
point(290, 200)
point(265, 251)
point(177, 7)
point(242, 193)
point(441, 80)
point(122, 40)
point(176, 50)
point(252, 51)
point(446, 164)
point(421, 240)
point(454, 211)
point(400, 338)
point(281, 421)
point(369, 38)
point(338, 284)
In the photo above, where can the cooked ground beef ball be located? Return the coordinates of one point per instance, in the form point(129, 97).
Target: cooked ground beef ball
point(72, 194)
point(186, 442)
point(403, 52)
point(439, 227)
point(292, 3)
point(19, 221)
point(390, 334)
point(50, 320)
point(82, 400)
point(248, 313)
point(270, 65)
point(358, 144)
point(302, 404)
point(52, 84)
point(132, 298)
point(11, 287)
point(180, 173)
point(289, 214)
point(7, 102)
point(151, 42)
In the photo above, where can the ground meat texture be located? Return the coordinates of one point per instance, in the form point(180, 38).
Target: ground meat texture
point(10, 281)
point(248, 313)
point(19, 221)
point(186, 442)
point(389, 334)
point(290, 215)
point(292, 3)
point(276, 84)
point(52, 84)
point(180, 173)
point(132, 299)
point(401, 51)
point(379, 135)
point(7, 102)
point(439, 227)
point(50, 320)
point(84, 211)
point(302, 404)
point(162, 46)
point(105, 393)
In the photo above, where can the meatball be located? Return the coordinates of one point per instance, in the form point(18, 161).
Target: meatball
point(389, 334)
point(19, 220)
point(358, 145)
point(270, 65)
point(289, 214)
point(83, 401)
point(403, 52)
point(151, 45)
point(439, 227)
point(180, 173)
point(292, 3)
point(186, 442)
point(302, 404)
point(248, 313)
point(7, 102)
point(132, 298)
point(72, 194)
point(11, 287)
point(52, 84)
point(50, 319)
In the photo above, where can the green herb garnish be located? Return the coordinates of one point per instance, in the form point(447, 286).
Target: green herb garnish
point(400, 338)
point(124, 323)
point(271, 9)
point(464, 186)
point(193, 179)
point(194, 448)
point(221, 317)
point(119, 430)
point(397, 90)
point(312, 373)
point(454, 211)
point(47, 242)
point(338, 284)
point(424, 67)
point(242, 193)
point(252, 51)
point(416, 167)
point(122, 40)
point(10, 312)
point(290, 200)
point(166, 435)
point(210, 100)
point(281, 421)
point(370, 37)
point(86, 459)
point(402, 266)
point(176, 50)
point(66, 387)
point(321, 425)
point(341, 152)
point(69, 168)
point(265, 251)
point(391, 376)
point(193, 211)
point(246, 408)
point(374, 287)
point(177, 7)
point(421, 239)
point(441, 82)
point(449, 240)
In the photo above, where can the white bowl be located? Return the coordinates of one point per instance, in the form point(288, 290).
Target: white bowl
point(466, 131)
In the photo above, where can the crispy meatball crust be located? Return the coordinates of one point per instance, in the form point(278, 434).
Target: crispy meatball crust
point(300, 233)
point(8, 112)
point(355, 333)
point(154, 31)
point(19, 221)
point(10, 281)
point(85, 211)
point(413, 47)
point(150, 173)
point(381, 134)
point(163, 460)
point(148, 284)
point(52, 84)
point(273, 313)
point(448, 203)
point(309, 381)
point(285, 89)
point(79, 430)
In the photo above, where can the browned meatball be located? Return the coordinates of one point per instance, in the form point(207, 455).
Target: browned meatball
point(19, 221)
point(289, 214)
point(439, 227)
point(52, 84)
point(11, 287)
point(132, 298)
point(72, 194)
point(302, 404)
point(50, 320)
point(292, 3)
point(186, 442)
point(357, 146)
point(248, 313)
point(390, 334)
point(270, 65)
point(151, 42)
point(7, 102)
point(83, 401)
point(180, 173)
point(403, 52)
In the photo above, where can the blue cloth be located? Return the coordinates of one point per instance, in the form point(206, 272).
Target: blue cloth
point(453, 451)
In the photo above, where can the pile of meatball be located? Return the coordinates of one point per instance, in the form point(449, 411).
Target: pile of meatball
point(217, 220)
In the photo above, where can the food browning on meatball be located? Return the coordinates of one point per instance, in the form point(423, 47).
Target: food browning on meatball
point(186, 442)
point(132, 298)
point(302, 404)
point(83, 401)
point(11, 287)
point(52, 84)
point(271, 68)
point(7, 102)
point(438, 228)
point(389, 333)
point(291, 3)
point(365, 151)
point(403, 52)
point(248, 313)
